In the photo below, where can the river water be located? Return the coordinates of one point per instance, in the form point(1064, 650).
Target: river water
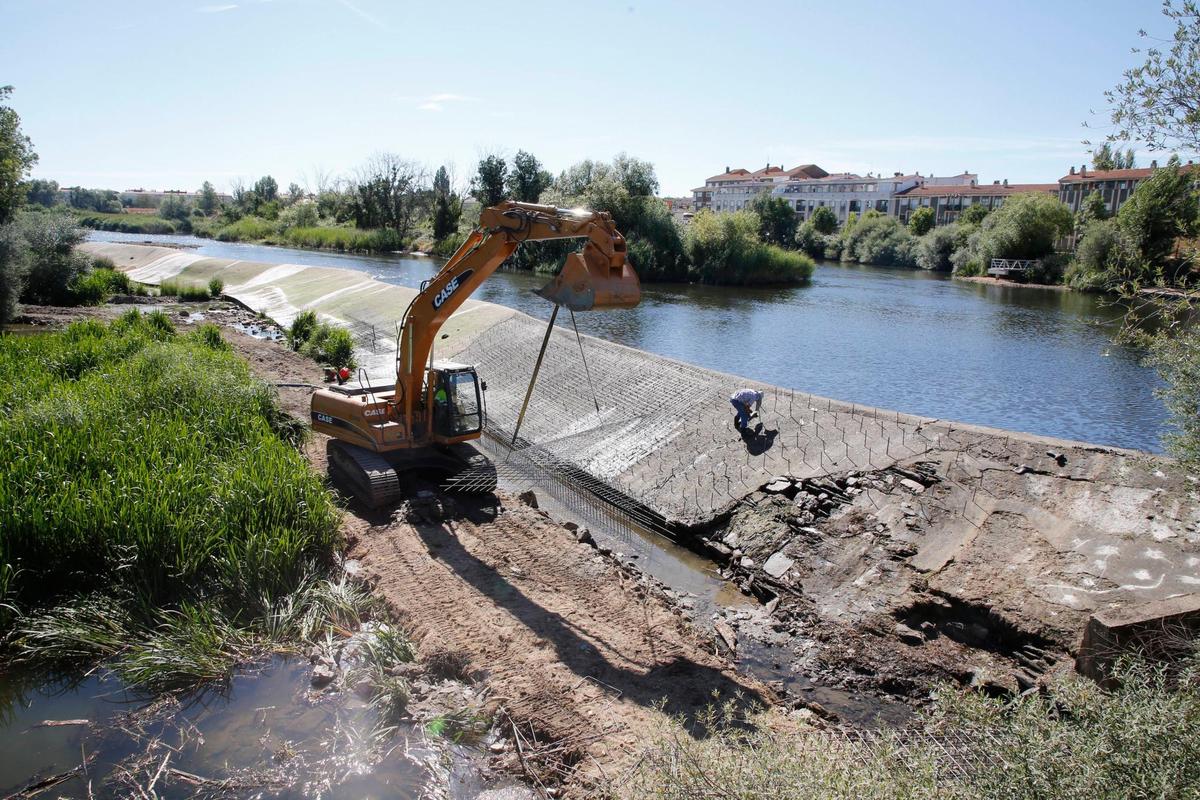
point(1023, 359)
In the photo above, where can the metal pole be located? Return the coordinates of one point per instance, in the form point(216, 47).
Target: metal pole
point(536, 368)
point(583, 358)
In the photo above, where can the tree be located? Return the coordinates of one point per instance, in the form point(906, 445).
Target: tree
point(922, 221)
point(824, 220)
point(1025, 227)
point(42, 193)
point(527, 180)
point(295, 193)
point(488, 186)
point(1093, 207)
point(174, 207)
point(1158, 102)
point(208, 199)
point(777, 220)
point(1105, 157)
point(973, 214)
point(389, 192)
point(266, 190)
point(16, 158)
point(1161, 210)
point(447, 206)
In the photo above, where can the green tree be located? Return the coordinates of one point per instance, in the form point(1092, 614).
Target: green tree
point(265, 190)
point(824, 220)
point(488, 186)
point(922, 221)
point(1158, 102)
point(447, 206)
point(777, 221)
point(41, 192)
point(973, 214)
point(527, 180)
point(295, 193)
point(1162, 209)
point(16, 158)
point(208, 199)
point(390, 192)
point(174, 207)
point(1105, 157)
point(1093, 207)
point(1025, 227)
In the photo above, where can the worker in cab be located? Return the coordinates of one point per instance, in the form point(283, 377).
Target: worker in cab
point(746, 402)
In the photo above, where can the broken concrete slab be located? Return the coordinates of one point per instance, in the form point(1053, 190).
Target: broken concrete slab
point(1161, 629)
point(777, 565)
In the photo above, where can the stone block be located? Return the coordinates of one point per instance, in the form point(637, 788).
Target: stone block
point(1159, 629)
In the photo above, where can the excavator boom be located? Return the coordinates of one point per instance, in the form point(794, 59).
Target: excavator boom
point(426, 405)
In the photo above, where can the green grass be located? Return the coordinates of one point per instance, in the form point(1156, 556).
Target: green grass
point(126, 223)
point(344, 239)
point(322, 342)
point(247, 229)
point(148, 472)
point(186, 291)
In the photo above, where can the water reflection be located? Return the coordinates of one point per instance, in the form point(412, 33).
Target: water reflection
point(1025, 359)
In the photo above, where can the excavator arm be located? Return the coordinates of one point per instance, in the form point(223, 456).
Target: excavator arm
point(599, 276)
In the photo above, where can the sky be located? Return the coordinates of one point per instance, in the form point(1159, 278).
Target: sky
point(165, 94)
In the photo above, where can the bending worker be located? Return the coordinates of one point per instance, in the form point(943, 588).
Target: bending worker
point(741, 401)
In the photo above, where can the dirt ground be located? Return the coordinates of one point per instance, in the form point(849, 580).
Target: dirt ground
point(578, 657)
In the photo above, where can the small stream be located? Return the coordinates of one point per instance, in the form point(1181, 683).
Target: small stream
point(266, 733)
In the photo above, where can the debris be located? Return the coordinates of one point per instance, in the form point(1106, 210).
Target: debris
point(908, 635)
point(912, 486)
point(727, 635)
point(778, 485)
point(584, 536)
point(529, 498)
point(322, 675)
point(777, 565)
point(1059, 458)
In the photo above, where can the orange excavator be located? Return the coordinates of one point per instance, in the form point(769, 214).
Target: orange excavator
point(434, 408)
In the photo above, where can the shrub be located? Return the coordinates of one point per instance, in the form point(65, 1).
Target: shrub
point(1026, 226)
point(921, 222)
point(878, 239)
point(209, 335)
point(725, 249)
point(330, 345)
point(345, 239)
point(301, 329)
point(247, 229)
point(14, 266)
point(1100, 257)
point(96, 287)
point(54, 265)
point(809, 240)
point(215, 287)
point(299, 215)
point(824, 220)
point(935, 249)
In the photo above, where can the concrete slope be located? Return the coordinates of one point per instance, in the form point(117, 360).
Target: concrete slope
point(1074, 525)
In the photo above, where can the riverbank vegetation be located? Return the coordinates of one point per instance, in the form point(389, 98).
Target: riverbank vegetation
point(155, 509)
point(1076, 740)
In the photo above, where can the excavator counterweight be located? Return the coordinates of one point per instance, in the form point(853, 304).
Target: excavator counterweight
point(425, 418)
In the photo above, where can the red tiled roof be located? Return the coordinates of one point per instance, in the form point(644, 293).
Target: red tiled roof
point(807, 171)
point(1140, 173)
point(733, 175)
point(987, 190)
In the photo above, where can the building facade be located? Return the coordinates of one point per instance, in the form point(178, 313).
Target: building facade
point(1114, 185)
point(948, 202)
point(845, 194)
point(734, 189)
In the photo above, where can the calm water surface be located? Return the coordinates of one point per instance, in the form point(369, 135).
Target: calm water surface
point(1022, 359)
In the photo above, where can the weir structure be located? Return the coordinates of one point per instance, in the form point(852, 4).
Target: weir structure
point(1037, 532)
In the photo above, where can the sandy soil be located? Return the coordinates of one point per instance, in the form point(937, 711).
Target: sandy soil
point(578, 657)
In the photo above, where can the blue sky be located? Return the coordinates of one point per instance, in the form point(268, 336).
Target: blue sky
point(165, 94)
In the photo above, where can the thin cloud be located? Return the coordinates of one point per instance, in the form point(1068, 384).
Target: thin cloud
point(368, 17)
point(216, 9)
point(438, 102)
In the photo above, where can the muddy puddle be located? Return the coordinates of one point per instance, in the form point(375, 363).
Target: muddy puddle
point(264, 734)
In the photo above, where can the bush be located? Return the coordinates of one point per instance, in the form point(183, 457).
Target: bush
point(174, 208)
point(1025, 227)
point(809, 240)
point(935, 249)
point(824, 220)
point(299, 215)
point(922, 221)
point(97, 286)
point(331, 346)
point(878, 239)
point(1100, 257)
point(301, 329)
point(215, 287)
point(725, 249)
point(54, 265)
point(209, 335)
point(247, 229)
point(14, 266)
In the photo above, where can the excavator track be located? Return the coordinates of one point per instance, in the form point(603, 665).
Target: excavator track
point(369, 475)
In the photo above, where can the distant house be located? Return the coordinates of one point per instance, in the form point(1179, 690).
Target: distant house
point(846, 194)
point(948, 202)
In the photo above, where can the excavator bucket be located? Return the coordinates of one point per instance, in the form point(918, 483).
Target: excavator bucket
point(585, 284)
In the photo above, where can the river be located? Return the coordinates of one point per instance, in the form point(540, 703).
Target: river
point(1023, 359)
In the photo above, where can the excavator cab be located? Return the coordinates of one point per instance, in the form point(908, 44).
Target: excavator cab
point(457, 402)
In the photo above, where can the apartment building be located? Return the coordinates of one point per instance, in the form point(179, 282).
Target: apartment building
point(845, 193)
point(1114, 185)
point(734, 189)
point(949, 201)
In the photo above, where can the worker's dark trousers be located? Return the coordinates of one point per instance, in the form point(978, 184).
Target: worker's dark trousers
point(743, 414)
